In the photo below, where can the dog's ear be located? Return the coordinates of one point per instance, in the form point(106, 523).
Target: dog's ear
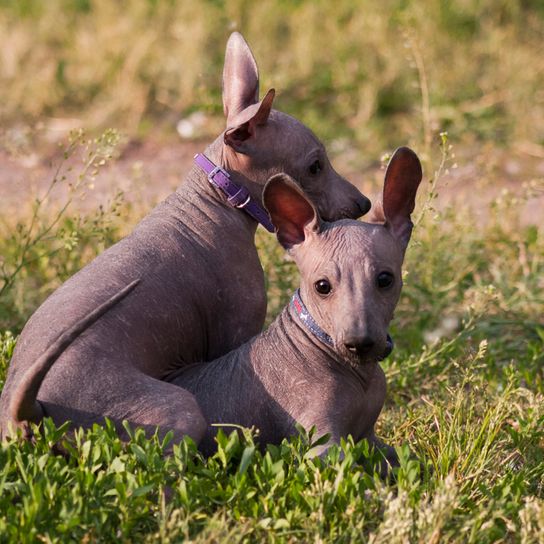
point(240, 77)
point(402, 180)
point(243, 126)
point(293, 215)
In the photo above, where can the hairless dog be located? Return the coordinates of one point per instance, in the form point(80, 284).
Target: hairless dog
point(317, 363)
point(200, 289)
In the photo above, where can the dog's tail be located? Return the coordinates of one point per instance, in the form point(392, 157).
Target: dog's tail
point(23, 406)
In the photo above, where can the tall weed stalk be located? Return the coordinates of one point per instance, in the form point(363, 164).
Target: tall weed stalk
point(39, 251)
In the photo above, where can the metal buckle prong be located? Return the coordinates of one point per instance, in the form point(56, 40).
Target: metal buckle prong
point(216, 170)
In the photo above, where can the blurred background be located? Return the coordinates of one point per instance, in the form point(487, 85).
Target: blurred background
point(365, 76)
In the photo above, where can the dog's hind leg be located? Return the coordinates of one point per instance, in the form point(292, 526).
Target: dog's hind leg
point(133, 396)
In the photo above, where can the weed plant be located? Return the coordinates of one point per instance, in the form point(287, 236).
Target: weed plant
point(46, 245)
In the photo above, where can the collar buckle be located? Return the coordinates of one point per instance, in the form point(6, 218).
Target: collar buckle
point(237, 195)
point(217, 170)
point(244, 203)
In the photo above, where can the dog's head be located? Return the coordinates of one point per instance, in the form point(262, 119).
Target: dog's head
point(350, 271)
point(260, 141)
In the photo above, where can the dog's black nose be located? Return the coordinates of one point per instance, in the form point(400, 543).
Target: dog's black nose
point(364, 204)
point(360, 346)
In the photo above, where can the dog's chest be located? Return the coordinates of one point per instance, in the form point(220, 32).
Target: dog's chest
point(355, 405)
point(366, 405)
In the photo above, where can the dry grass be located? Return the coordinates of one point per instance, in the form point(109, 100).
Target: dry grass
point(361, 70)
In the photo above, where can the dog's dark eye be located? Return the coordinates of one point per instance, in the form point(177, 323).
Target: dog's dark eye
point(385, 280)
point(315, 167)
point(323, 287)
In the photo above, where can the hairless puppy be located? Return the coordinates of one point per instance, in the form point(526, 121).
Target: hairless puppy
point(317, 363)
point(200, 289)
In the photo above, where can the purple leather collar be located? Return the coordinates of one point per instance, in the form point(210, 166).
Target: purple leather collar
point(318, 332)
point(237, 196)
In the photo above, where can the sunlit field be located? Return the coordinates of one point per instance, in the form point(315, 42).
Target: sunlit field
point(92, 93)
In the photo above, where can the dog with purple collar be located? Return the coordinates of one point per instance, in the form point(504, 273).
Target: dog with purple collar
point(185, 286)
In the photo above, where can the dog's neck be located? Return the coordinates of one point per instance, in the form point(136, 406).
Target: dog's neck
point(289, 339)
point(197, 197)
point(223, 156)
point(280, 357)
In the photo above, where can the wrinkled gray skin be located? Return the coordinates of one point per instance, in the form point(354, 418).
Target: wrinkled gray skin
point(201, 287)
point(287, 375)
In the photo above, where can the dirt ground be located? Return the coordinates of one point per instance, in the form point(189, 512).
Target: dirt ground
point(148, 170)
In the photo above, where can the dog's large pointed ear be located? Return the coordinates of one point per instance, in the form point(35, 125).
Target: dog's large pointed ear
point(240, 77)
point(402, 179)
point(241, 103)
point(293, 215)
point(243, 126)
